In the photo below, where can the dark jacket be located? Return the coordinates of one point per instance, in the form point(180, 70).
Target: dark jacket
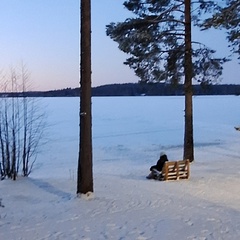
point(160, 163)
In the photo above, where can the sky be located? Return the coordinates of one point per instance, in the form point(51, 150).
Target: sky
point(44, 35)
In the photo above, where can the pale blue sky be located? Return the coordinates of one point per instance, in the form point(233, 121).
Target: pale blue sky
point(44, 34)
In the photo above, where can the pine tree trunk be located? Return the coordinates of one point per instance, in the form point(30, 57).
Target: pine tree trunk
point(188, 135)
point(85, 176)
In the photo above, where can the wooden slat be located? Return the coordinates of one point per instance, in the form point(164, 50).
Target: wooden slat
point(176, 170)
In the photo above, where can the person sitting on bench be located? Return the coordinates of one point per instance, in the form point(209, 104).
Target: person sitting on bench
point(160, 163)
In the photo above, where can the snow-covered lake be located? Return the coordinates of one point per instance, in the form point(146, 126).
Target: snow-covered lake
point(128, 135)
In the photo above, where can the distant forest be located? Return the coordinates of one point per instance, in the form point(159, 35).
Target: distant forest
point(135, 89)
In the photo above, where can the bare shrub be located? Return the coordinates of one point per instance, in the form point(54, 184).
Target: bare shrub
point(22, 124)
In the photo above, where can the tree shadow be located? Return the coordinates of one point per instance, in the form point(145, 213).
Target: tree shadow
point(51, 189)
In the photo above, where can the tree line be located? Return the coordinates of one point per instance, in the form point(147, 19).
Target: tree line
point(162, 89)
point(134, 89)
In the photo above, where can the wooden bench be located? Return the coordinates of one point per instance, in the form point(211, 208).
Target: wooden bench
point(174, 170)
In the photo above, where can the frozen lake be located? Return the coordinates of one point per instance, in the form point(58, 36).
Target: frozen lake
point(137, 128)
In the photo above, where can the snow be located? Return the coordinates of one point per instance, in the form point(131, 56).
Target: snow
point(128, 135)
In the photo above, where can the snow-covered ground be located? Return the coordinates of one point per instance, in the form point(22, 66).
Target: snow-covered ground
point(128, 135)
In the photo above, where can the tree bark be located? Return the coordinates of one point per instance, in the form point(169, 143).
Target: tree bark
point(188, 135)
point(85, 176)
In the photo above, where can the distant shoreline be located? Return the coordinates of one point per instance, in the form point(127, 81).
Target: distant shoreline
point(133, 89)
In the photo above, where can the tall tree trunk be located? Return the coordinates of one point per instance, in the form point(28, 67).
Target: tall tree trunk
point(188, 135)
point(85, 176)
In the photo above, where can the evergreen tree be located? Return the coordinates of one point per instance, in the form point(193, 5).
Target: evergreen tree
point(162, 50)
point(228, 18)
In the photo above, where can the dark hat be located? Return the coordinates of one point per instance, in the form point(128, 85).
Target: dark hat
point(162, 154)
